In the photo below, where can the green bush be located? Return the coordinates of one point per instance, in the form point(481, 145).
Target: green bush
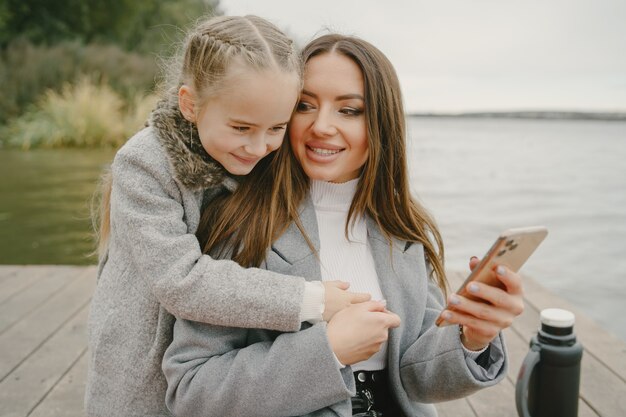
point(86, 114)
point(27, 71)
point(146, 26)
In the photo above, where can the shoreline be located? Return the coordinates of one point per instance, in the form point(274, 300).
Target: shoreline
point(528, 115)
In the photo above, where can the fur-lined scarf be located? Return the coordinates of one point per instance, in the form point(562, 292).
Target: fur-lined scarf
point(192, 165)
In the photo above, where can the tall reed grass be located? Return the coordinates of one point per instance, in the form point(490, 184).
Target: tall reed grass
point(28, 70)
point(86, 114)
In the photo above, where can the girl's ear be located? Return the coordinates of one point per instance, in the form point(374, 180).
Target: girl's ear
point(186, 100)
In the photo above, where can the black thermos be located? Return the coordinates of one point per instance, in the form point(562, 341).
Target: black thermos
point(549, 379)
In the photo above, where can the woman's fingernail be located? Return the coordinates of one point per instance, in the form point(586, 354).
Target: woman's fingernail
point(472, 288)
point(500, 270)
point(473, 257)
point(446, 315)
point(454, 300)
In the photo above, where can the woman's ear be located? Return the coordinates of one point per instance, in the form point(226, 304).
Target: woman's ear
point(186, 100)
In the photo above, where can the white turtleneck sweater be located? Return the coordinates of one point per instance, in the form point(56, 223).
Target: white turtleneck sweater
point(344, 259)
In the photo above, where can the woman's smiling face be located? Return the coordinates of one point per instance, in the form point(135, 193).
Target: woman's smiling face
point(328, 131)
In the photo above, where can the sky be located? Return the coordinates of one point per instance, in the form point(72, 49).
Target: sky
point(478, 55)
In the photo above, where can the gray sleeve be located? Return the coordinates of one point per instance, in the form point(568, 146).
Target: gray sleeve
point(435, 368)
point(149, 227)
point(211, 372)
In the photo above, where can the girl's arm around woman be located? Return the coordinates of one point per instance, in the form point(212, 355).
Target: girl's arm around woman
point(153, 242)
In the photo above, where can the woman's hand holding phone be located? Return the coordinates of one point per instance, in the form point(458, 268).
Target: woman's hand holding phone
point(490, 308)
point(491, 296)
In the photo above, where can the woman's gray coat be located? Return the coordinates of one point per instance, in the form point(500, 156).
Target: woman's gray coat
point(225, 371)
point(154, 268)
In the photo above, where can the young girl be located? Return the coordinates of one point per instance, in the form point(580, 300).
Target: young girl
point(350, 213)
point(237, 85)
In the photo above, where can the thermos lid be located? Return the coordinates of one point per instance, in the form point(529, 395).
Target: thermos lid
point(556, 317)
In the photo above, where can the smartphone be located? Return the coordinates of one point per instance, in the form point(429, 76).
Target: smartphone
point(512, 249)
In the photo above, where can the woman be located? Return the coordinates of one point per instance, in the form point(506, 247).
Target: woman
point(340, 202)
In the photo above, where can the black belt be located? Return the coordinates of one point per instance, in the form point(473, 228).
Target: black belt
point(373, 396)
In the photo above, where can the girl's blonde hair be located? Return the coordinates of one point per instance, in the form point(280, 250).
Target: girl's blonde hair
point(214, 44)
point(209, 50)
point(267, 201)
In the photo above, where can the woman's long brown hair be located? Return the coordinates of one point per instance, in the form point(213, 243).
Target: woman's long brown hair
point(267, 201)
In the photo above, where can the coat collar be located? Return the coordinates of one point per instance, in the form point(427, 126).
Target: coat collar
point(193, 167)
point(292, 246)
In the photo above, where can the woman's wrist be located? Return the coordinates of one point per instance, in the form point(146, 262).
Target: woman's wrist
point(469, 345)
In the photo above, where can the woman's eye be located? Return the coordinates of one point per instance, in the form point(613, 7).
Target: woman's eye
point(303, 106)
point(241, 129)
point(277, 129)
point(351, 111)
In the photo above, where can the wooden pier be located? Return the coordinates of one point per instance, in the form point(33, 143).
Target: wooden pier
point(43, 349)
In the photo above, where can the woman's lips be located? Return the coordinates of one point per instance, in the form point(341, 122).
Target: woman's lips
point(322, 154)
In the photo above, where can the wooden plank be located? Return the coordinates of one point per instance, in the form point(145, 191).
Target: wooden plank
point(455, 408)
point(8, 271)
point(66, 398)
point(17, 343)
point(48, 379)
point(20, 280)
point(34, 378)
point(601, 388)
point(33, 296)
point(495, 401)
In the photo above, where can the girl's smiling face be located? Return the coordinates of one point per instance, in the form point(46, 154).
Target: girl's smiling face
point(328, 131)
point(245, 121)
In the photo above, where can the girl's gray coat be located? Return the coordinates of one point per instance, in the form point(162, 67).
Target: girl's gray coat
point(154, 268)
point(224, 371)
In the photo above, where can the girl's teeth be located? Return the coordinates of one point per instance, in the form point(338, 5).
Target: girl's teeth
point(325, 151)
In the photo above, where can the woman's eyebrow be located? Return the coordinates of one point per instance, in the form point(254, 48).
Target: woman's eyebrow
point(338, 98)
point(350, 97)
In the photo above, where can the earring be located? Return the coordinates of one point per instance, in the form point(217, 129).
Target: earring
point(190, 135)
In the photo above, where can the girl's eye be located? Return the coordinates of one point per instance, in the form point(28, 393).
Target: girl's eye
point(351, 111)
point(303, 106)
point(241, 129)
point(277, 129)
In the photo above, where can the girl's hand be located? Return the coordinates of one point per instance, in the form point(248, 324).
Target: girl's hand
point(357, 332)
point(337, 298)
point(495, 310)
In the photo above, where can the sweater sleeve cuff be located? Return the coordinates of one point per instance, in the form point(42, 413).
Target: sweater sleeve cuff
point(473, 354)
point(312, 306)
point(491, 363)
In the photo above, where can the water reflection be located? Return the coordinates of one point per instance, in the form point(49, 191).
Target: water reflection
point(44, 205)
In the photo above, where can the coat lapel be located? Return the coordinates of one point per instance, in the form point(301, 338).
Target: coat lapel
point(396, 280)
point(290, 254)
point(387, 263)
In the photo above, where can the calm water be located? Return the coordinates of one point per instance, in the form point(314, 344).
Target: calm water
point(45, 197)
point(477, 176)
